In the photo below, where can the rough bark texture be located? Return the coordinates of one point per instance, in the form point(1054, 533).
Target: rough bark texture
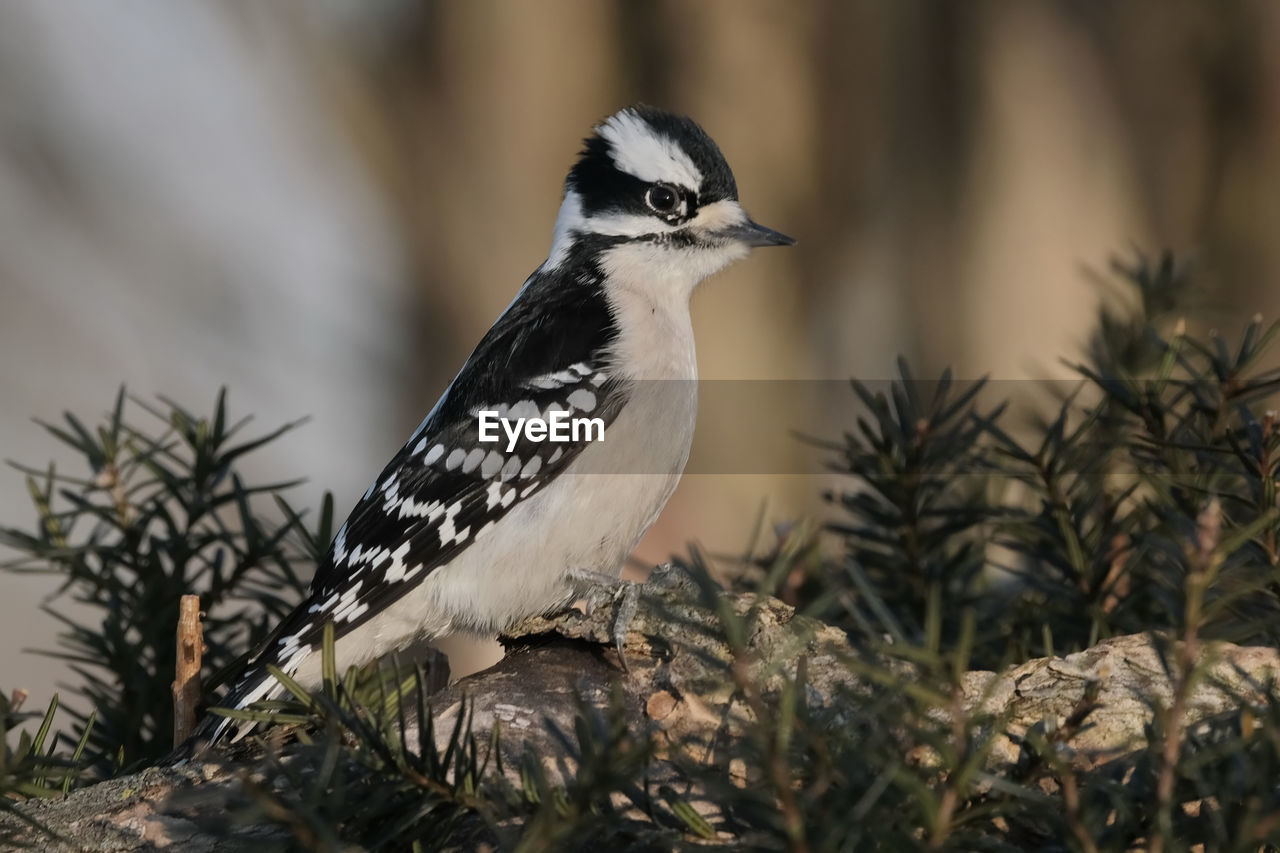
point(672, 684)
point(1129, 677)
point(674, 679)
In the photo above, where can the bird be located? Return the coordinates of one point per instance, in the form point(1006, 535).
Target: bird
point(462, 535)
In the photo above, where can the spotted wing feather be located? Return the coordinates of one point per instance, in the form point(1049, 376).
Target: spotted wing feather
point(444, 491)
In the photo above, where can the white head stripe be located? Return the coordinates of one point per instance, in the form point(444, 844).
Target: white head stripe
point(641, 151)
point(573, 221)
point(625, 225)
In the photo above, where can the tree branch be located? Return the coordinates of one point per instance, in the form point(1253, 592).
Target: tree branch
point(675, 686)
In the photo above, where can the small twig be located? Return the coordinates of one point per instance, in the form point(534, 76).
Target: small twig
point(186, 684)
point(1203, 565)
point(1115, 586)
point(944, 822)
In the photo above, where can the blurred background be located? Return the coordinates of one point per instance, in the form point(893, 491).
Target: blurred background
point(322, 205)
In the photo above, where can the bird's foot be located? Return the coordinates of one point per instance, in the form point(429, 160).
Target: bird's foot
point(599, 589)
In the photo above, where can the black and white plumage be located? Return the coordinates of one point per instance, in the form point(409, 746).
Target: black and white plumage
point(459, 535)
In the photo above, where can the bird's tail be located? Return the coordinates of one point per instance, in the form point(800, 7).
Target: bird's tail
point(255, 684)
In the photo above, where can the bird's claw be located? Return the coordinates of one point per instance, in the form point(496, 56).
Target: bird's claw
point(598, 589)
point(627, 596)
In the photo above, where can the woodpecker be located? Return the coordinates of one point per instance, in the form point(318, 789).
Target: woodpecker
point(461, 534)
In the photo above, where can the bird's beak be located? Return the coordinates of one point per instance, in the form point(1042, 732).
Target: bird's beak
point(753, 234)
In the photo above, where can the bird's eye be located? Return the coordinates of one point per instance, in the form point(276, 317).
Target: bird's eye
point(662, 198)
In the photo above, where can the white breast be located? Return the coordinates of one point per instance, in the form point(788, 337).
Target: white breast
point(592, 515)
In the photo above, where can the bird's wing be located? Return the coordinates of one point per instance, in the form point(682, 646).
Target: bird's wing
point(444, 490)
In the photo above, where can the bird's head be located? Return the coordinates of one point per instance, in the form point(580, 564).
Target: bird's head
point(651, 198)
